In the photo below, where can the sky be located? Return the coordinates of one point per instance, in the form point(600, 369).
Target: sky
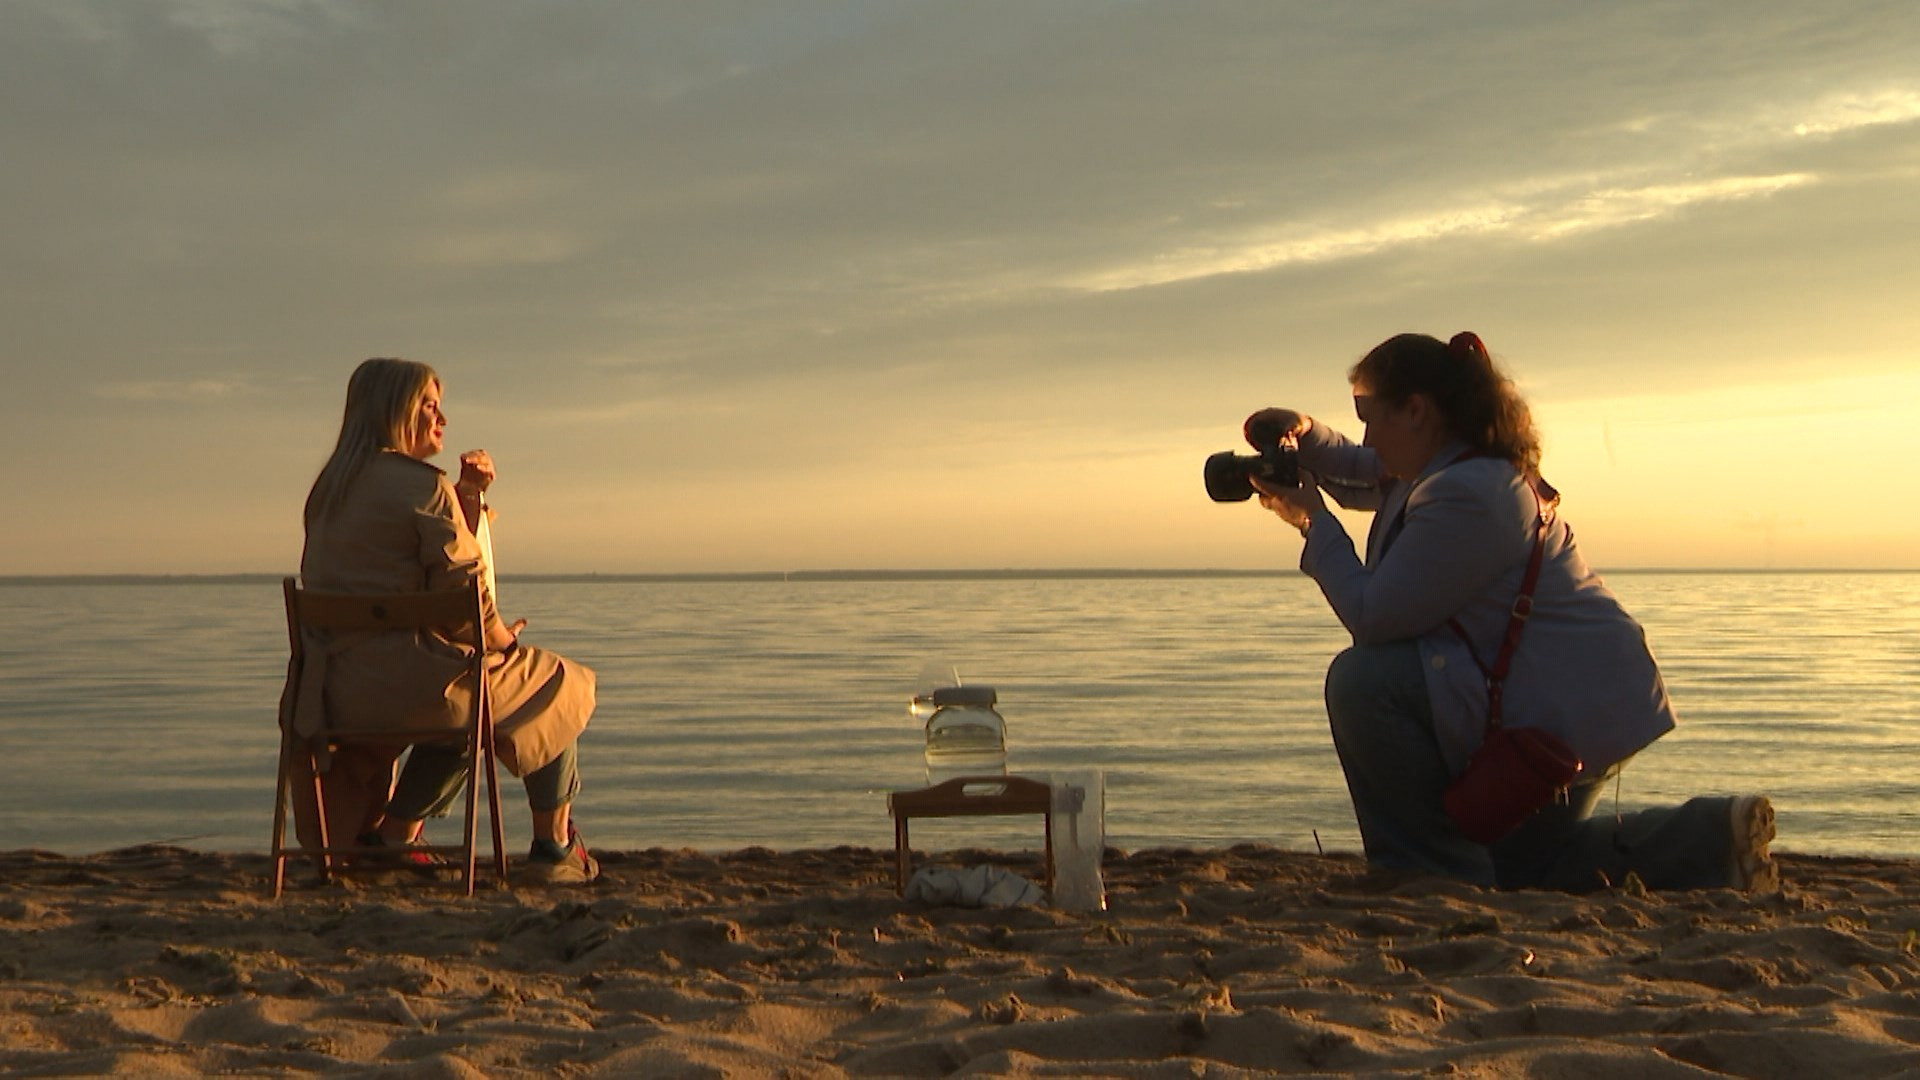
point(886, 285)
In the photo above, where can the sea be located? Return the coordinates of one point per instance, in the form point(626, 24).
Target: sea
point(772, 710)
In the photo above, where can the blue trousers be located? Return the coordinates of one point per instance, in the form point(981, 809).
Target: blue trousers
point(1383, 731)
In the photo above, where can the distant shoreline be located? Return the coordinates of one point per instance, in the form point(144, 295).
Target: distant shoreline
point(755, 576)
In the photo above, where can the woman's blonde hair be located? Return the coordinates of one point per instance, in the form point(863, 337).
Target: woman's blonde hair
point(1479, 402)
point(383, 396)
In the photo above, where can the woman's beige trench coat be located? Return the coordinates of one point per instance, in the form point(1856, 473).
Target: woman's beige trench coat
point(399, 529)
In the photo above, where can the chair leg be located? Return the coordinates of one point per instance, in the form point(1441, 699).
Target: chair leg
point(493, 811)
point(323, 860)
point(474, 765)
point(280, 816)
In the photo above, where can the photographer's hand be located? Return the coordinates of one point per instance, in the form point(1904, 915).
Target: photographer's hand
point(1295, 506)
point(1283, 421)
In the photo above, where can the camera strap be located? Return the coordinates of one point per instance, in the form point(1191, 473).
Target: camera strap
point(1545, 499)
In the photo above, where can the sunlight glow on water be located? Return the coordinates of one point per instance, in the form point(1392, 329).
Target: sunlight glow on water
point(774, 713)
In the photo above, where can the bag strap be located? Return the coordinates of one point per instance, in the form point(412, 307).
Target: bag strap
point(1545, 499)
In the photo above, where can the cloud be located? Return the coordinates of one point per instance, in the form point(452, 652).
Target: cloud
point(1851, 111)
point(1616, 207)
point(236, 27)
point(1258, 252)
point(177, 390)
point(510, 190)
point(1661, 164)
point(1549, 217)
point(490, 248)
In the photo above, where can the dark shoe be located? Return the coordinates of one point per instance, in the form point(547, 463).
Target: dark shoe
point(550, 864)
point(1753, 869)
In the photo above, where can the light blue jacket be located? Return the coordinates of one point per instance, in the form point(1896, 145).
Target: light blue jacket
point(1582, 670)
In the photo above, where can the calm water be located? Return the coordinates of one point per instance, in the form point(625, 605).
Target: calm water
point(735, 713)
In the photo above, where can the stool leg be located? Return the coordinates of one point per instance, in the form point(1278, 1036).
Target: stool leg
point(1049, 851)
point(901, 855)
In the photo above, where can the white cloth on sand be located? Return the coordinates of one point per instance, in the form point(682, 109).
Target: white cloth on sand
point(975, 886)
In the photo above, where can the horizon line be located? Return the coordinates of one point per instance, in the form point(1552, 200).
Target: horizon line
point(869, 574)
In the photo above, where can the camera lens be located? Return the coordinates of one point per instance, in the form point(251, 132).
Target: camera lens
point(1227, 477)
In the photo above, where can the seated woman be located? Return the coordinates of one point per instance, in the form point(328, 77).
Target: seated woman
point(380, 519)
point(1450, 466)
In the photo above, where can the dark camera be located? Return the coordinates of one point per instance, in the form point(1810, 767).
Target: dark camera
point(1230, 476)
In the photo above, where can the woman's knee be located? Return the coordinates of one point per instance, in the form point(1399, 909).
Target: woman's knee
point(1362, 677)
point(1346, 677)
point(1349, 683)
point(1377, 691)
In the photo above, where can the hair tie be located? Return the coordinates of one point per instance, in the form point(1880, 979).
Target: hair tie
point(1467, 344)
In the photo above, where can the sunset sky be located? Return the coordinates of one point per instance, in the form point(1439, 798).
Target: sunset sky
point(814, 285)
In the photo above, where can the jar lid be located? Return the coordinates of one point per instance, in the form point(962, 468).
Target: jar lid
point(979, 697)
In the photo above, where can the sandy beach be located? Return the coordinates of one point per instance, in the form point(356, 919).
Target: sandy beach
point(1243, 961)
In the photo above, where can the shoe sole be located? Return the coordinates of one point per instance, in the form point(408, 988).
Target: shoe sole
point(1753, 830)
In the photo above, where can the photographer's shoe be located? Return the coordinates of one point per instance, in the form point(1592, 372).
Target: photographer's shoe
point(550, 864)
point(1753, 869)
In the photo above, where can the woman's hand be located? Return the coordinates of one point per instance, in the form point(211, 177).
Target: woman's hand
point(1278, 422)
point(504, 639)
point(476, 474)
point(1295, 506)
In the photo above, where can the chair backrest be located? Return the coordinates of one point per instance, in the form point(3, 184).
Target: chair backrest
point(449, 610)
point(456, 612)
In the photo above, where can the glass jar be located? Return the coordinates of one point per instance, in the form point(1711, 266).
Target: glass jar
point(965, 735)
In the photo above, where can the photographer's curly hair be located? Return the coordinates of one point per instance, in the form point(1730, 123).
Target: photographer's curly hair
point(1478, 401)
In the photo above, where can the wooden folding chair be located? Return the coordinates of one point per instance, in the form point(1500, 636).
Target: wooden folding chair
point(335, 613)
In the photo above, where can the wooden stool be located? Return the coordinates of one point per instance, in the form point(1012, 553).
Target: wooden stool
point(968, 796)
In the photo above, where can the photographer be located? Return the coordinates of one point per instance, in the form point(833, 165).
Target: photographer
point(1463, 526)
